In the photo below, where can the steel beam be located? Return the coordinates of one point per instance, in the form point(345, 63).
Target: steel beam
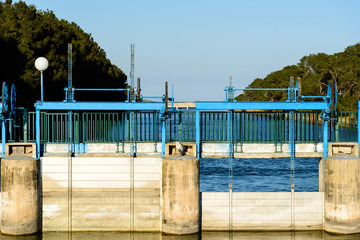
point(163, 138)
point(358, 127)
point(261, 105)
point(198, 133)
point(127, 106)
point(3, 127)
point(37, 124)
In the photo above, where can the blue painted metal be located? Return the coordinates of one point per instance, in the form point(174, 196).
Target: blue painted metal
point(131, 105)
point(117, 106)
point(325, 138)
point(291, 105)
point(287, 106)
point(37, 124)
point(358, 127)
point(99, 89)
point(292, 148)
point(198, 133)
point(163, 137)
point(3, 128)
point(230, 134)
point(314, 97)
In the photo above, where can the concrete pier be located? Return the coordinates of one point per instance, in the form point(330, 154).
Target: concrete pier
point(20, 195)
point(180, 191)
point(342, 194)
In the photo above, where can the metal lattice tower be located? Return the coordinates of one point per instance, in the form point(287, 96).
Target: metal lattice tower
point(70, 145)
point(132, 98)
point(132, 66)
point(70, 93)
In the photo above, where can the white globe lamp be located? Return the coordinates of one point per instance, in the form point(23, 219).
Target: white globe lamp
point(41, 64)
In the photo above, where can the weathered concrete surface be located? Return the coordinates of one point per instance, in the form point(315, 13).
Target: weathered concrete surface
point(349, 148)
point(189, 148)
point(101, 193)
point(107, 148)
point(260, 150)
point(180, 191)
point(342, 194)
point(20, 148)
point(261, 211)
point(209, 150)
point(20, 195)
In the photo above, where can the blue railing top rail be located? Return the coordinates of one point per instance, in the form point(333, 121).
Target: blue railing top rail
point(287, 106)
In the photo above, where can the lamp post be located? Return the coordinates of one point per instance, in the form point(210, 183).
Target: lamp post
point(41, 64)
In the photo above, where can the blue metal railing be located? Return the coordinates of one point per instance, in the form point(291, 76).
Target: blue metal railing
point(347, 126)
point(248, 127)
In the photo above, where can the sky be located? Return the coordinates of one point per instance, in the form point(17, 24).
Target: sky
point(196, 45)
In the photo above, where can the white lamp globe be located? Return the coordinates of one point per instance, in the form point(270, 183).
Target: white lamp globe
point(41, 64)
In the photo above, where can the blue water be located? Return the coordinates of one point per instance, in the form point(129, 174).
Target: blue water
point(258, 175)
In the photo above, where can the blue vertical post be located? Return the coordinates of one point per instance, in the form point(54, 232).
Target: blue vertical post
point(37, 124)
point(163, 138)
point(325, 140)
point(292, 148)
point(3, 127)
point(358, 127)
point(230, 134)
point(197, 128)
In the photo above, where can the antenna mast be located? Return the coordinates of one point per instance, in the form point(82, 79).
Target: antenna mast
point(132, 73)
point(70, 97)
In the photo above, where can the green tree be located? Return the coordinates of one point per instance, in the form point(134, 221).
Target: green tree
point(27, 33)
point(315, 71)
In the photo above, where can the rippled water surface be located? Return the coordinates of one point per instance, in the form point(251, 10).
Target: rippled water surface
point(258, 175)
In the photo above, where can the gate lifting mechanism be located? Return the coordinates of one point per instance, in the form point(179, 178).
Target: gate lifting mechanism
point(159, 107)
point(133, 103)
point(295, 101)
point(7, 112)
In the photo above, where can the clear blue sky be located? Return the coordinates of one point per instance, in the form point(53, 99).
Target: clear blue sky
point(196, 45)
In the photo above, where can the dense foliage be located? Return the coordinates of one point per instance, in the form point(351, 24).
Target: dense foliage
point(27, 33)
point(315, 71)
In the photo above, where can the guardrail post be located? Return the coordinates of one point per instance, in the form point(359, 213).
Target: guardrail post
point(180, 126)
point(155, 124)
point(163, 138)
point(198, 133)
point(230, 134)
point(37, 124)
point(358, 127)
point(25, 124)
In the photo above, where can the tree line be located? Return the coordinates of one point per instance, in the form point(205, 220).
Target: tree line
point(315, 71)
point(27, 33)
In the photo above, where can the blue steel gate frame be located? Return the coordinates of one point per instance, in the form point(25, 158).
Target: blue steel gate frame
point(117, 106)
point(280, 106)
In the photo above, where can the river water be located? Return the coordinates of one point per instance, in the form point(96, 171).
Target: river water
point(258, 175)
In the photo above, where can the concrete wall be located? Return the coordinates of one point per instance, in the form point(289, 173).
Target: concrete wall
point(104, 148)
point(261, 150)
point(261, 211)
point(113, 192)
point(102, 196)
point(102, 199)
point(255, 150)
